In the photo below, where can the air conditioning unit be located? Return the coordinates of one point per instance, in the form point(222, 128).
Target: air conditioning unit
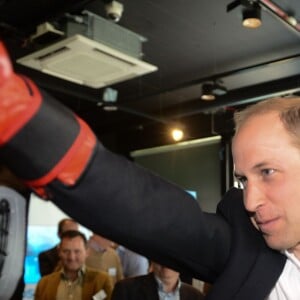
point(86, 60)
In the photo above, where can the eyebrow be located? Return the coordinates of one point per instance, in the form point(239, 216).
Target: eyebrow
point(237, 174)
point(260, 165)
point(255, 167)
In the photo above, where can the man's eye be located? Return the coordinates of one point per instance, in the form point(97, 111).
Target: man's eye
point(267, 172)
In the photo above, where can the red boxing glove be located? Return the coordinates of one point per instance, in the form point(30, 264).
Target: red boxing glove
point(20, 99)
point(41, 139)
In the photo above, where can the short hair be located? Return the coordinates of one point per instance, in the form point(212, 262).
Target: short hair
point(288, 110)
point(71, 234)
point(61, 225)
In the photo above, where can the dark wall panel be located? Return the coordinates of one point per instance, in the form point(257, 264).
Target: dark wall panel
point(194, 166)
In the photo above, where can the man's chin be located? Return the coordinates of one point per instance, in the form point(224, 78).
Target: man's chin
point(275, 243)
point(72, 268)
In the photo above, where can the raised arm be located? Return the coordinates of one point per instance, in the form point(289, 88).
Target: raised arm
point(57, 155)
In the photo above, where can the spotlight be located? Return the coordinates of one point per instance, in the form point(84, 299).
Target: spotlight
point(176, 131)
point(252, 16)
point(212, 89)
point(177, 134)
point(251, 12)
point(207, 92)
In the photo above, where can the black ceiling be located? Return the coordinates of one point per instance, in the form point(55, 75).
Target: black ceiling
point(191, 42)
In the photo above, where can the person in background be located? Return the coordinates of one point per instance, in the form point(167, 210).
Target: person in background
point(49, 259)
point(102, 257)
point(74, 281)
point(161, 283)
point(133, 264)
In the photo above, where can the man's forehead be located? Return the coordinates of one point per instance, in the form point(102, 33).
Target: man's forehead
point(263, 128)
point(71, 241)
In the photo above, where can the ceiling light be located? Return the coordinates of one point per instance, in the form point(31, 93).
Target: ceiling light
point(207, 92)
point(251, 12)
point(177, 134)
point(212, 89)
point(252, 16)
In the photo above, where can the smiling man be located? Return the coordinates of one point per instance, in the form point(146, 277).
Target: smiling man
point(49, 259)
point(74, 281)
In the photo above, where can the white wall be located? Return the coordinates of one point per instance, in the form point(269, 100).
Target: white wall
point(45, 213)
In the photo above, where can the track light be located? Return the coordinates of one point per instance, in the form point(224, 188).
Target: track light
point(252, 16)
point(207, 92)
point(251, 12)
point(210, 90)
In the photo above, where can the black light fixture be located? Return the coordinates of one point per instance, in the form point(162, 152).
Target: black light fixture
point(207, 91)
point(251, 12)
point(109, 100)
point(210, 90)
point(252, 15)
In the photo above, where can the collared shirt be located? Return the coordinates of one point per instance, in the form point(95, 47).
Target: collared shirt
point(106, 260)
point(288, 285)
point(92, 244)
point(133, 264)
point(68, 289)
point(174, 295)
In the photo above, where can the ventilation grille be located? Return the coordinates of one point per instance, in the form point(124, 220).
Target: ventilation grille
point(87, 62)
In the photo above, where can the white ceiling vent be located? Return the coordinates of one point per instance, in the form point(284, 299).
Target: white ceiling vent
point(87, 62)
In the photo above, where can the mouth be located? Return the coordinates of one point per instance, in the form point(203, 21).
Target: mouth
point(267, 226)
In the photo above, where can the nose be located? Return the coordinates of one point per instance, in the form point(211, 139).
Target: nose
point(253, 197)
point(71, 255)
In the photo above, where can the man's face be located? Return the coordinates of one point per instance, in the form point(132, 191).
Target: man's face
point(72, 252)
point(165, 274)
point(268, 164)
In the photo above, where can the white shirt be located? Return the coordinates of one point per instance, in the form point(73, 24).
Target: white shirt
point(174, 295)
point(288, 285)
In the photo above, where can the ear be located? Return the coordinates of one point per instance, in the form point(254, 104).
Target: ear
point(59, 250)
point(87, 252)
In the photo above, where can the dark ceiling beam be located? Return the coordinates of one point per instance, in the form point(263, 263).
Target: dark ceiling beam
point(238, 97)
point(233, 100)
point(170, 92)
point(194, 106)
point(84, 94)
point(192, 103)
